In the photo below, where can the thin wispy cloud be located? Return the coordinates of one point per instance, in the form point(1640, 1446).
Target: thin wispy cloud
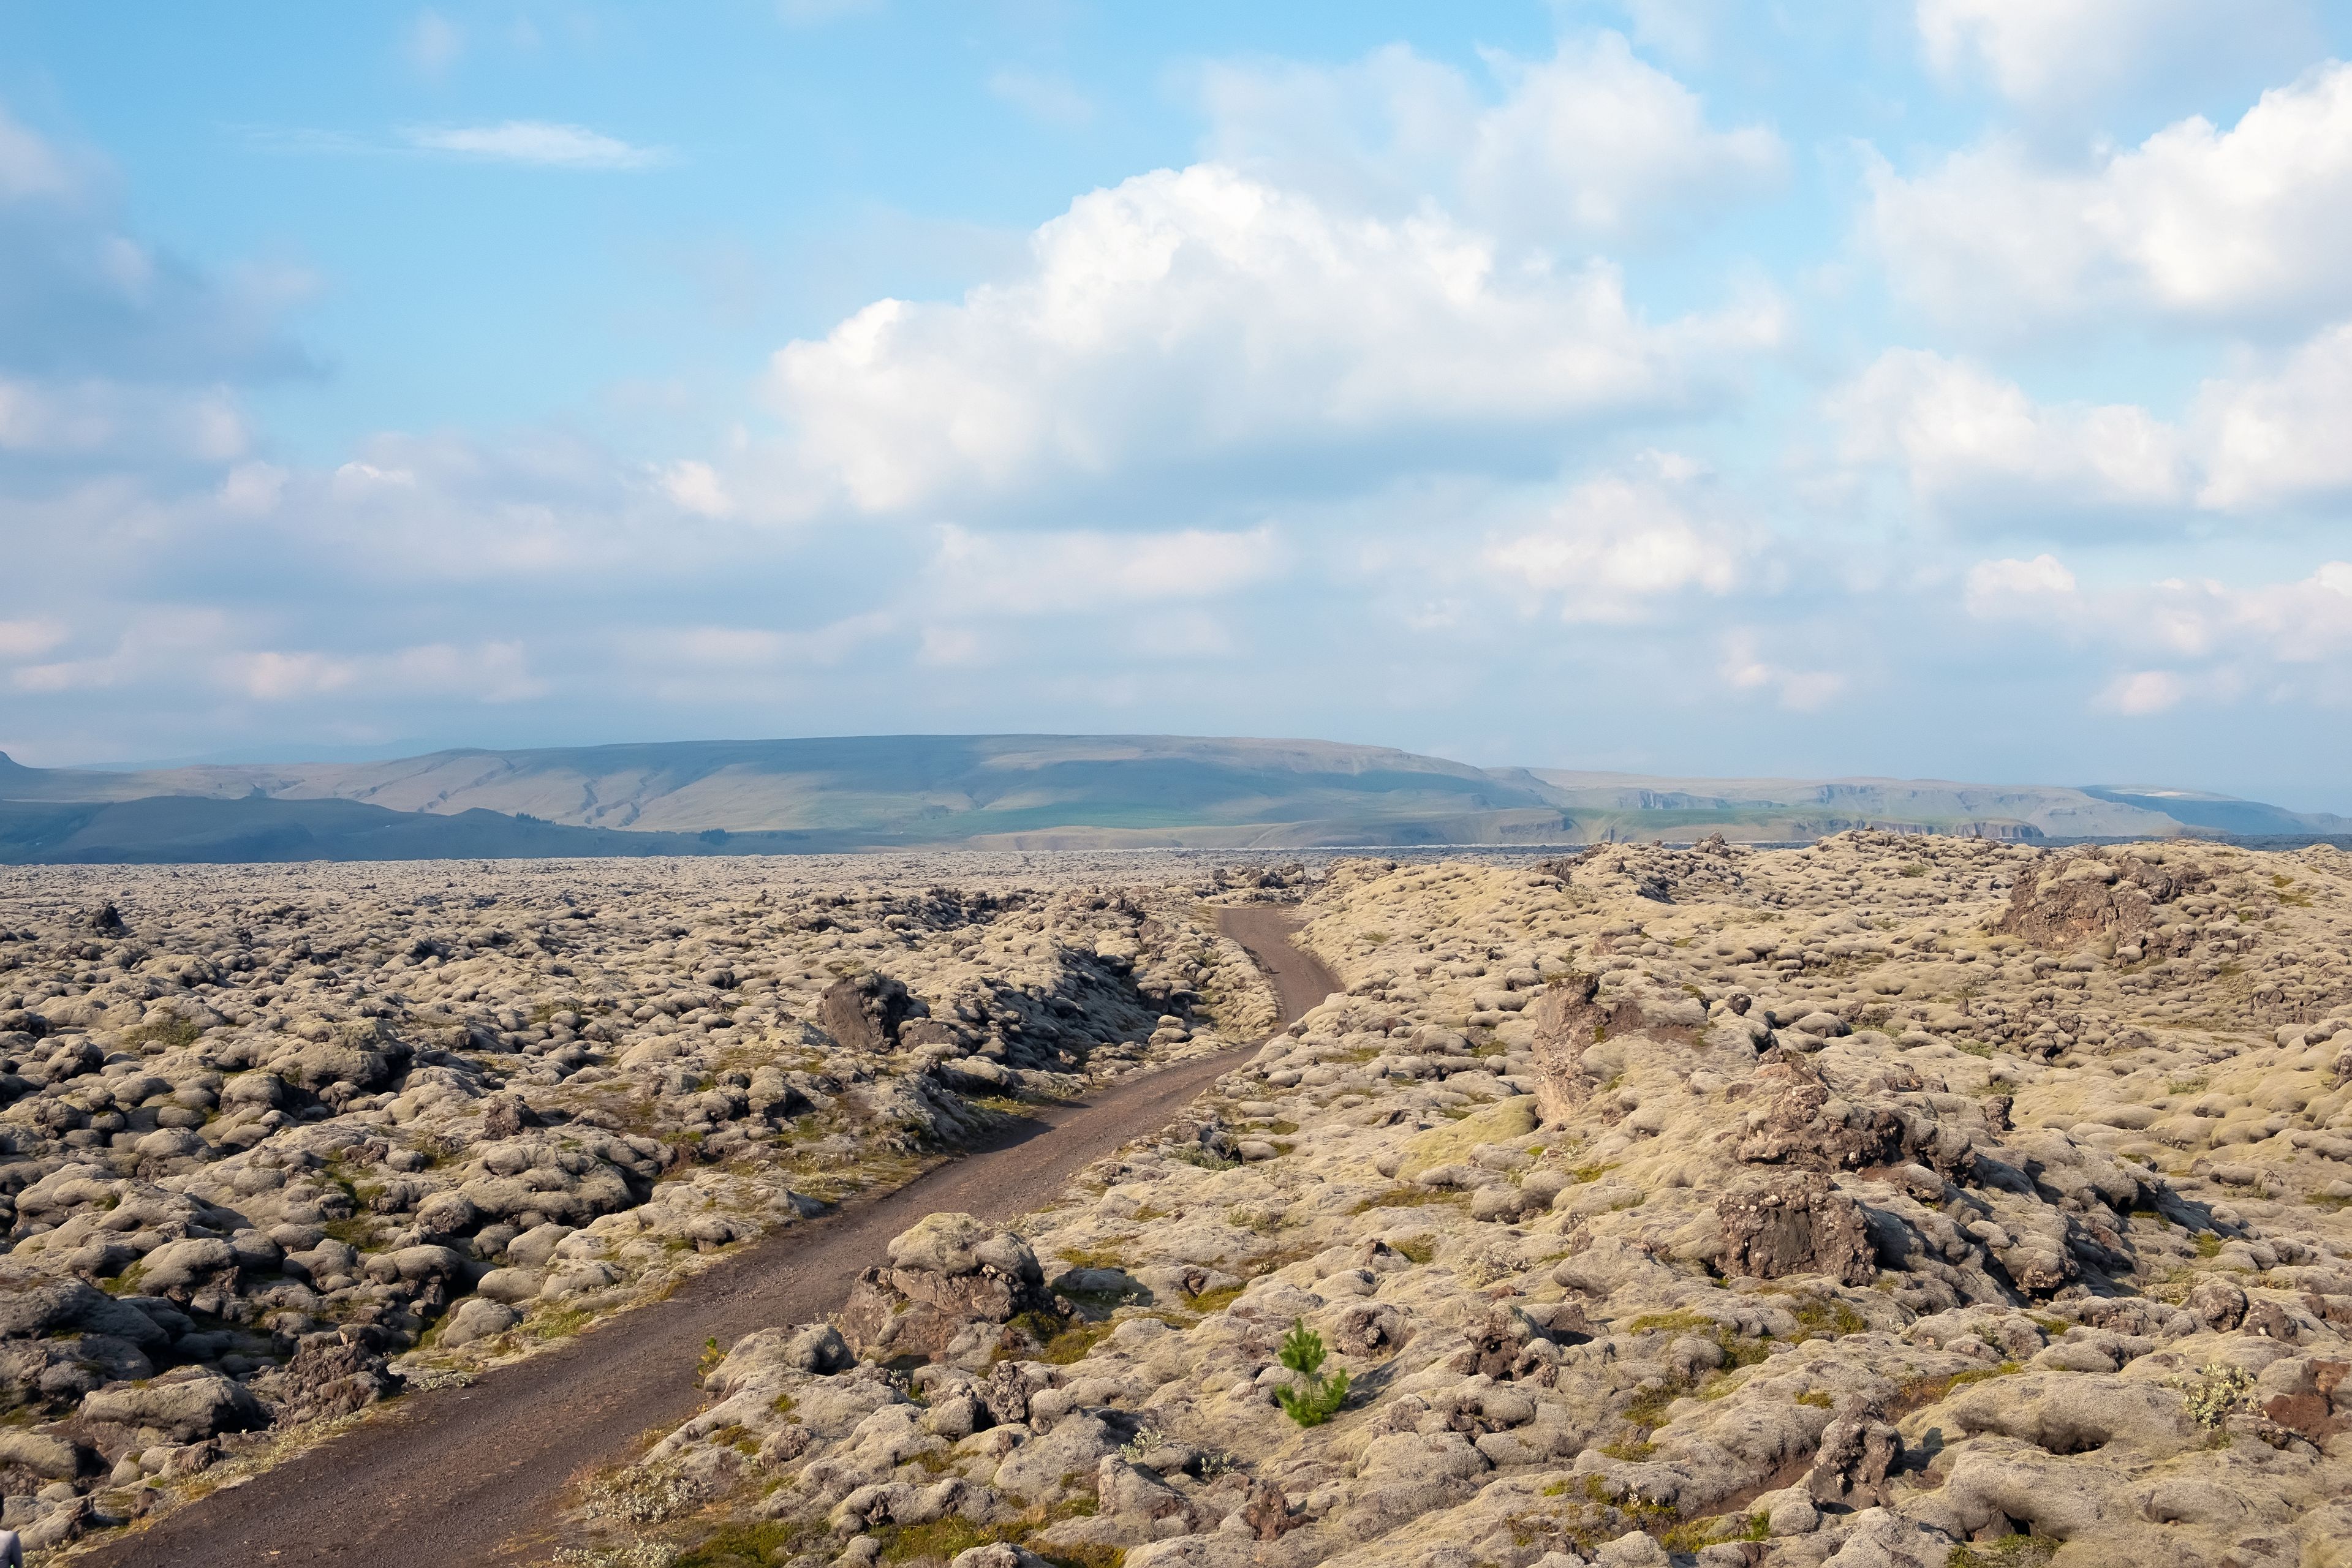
point(532, 142)
point(1049, 99)
point(816, 13)
point(433, 43)
point(542, 142)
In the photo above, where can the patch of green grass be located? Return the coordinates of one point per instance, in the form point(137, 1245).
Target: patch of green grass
point(2008, 1551)
point(355, 1232)
point(169, 1032)
point(1072, 1343)
point(1216, 1300)
point(1922, 1392)
point(561, 1324)
point(2208, 1244)
point(1410, 1198)
point(938, 1542)
point(1829, 1320)
point(1086, 1556)
point(1691, 1535)
point(753, 1545)
point(1091, 1258)
point(1649, 1408)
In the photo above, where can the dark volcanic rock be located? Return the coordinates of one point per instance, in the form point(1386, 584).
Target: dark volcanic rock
point(1795, 1223)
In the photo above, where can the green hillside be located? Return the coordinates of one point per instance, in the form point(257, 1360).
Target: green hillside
point(847, 793)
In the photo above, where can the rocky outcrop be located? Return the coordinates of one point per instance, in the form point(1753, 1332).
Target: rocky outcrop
point(1794, 1223)
point(331, 1375)
point(2066, 898)
point(1567, 1020)
point(182, 1407)
point(952, 1288)
point(1798, 1120)
point(865, 1012)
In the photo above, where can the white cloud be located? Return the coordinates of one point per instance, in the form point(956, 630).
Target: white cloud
point(2309, 621)
point(1613, 546)
point(758, 648)
point(2178, 638)
point(1998, 589)
point(954, 647)
point(278, 677)
point(486, 672)
point(1744, 668)
point(697, 487)
point(1593, 142)
point(1088, 573)
point(158, 644)
point(29, 166)
point(1974, 445)
point(1611, 139)
point(533, 141)
point(2143, 692)
point(29, 639)
point(2277, 439)
point(93, 417)
point(1050, 99)
point(2057, 54)
point(357, 478)
point(2249, 224)
point(253, 488)
point(433, 43)
point(482, 671)
point(1680, 29)
point(1187, 318)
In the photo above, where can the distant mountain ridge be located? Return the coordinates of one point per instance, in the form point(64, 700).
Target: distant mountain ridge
point(1027, 791)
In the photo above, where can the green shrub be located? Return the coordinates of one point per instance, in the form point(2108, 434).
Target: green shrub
point(1320, 1397)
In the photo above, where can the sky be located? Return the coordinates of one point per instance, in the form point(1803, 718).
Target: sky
point(1957, 389)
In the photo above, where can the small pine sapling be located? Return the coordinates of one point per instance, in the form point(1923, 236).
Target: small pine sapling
point(1319, 1398)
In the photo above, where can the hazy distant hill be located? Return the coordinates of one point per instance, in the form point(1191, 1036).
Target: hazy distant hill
point(1024, 792)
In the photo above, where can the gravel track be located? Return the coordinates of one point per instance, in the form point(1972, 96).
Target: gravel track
point(474, 1476)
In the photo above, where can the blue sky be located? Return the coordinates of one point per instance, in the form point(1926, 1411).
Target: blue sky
point(1947, 388)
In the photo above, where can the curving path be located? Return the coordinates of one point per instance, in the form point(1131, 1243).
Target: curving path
point(474, 1476)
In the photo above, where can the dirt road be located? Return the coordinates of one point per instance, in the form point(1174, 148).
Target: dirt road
point(473, 1475)
point(1299, 981)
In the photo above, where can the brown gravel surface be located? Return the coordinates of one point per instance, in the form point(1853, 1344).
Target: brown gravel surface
point(1300, 981)
point(467, 1476)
